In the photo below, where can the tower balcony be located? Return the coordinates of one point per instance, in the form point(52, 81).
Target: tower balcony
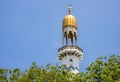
point(70, 51)
point(70, 47)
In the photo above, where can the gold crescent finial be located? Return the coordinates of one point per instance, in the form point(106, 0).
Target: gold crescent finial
point(69, 7)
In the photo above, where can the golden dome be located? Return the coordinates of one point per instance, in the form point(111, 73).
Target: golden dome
point(69, 21)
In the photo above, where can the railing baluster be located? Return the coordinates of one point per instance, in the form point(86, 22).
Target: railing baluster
point(69, 47)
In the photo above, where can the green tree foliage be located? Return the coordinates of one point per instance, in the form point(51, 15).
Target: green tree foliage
point(3, 75)
point(102, 70)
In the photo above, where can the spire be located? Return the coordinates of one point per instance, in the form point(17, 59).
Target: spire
point(69, 7)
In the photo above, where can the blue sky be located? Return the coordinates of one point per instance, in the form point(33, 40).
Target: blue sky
point(31, 30)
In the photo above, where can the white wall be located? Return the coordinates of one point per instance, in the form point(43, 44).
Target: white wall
point(66, 60)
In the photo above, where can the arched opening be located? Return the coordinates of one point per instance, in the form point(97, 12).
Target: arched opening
point(70, 38)
point(75, 38)
point(65, 38)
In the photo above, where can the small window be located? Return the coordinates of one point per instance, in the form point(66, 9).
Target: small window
point(71, 60)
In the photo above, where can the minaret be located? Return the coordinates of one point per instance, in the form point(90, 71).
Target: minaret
point(70, 54)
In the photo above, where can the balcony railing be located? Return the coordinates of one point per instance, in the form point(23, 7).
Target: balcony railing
point(69, 47)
